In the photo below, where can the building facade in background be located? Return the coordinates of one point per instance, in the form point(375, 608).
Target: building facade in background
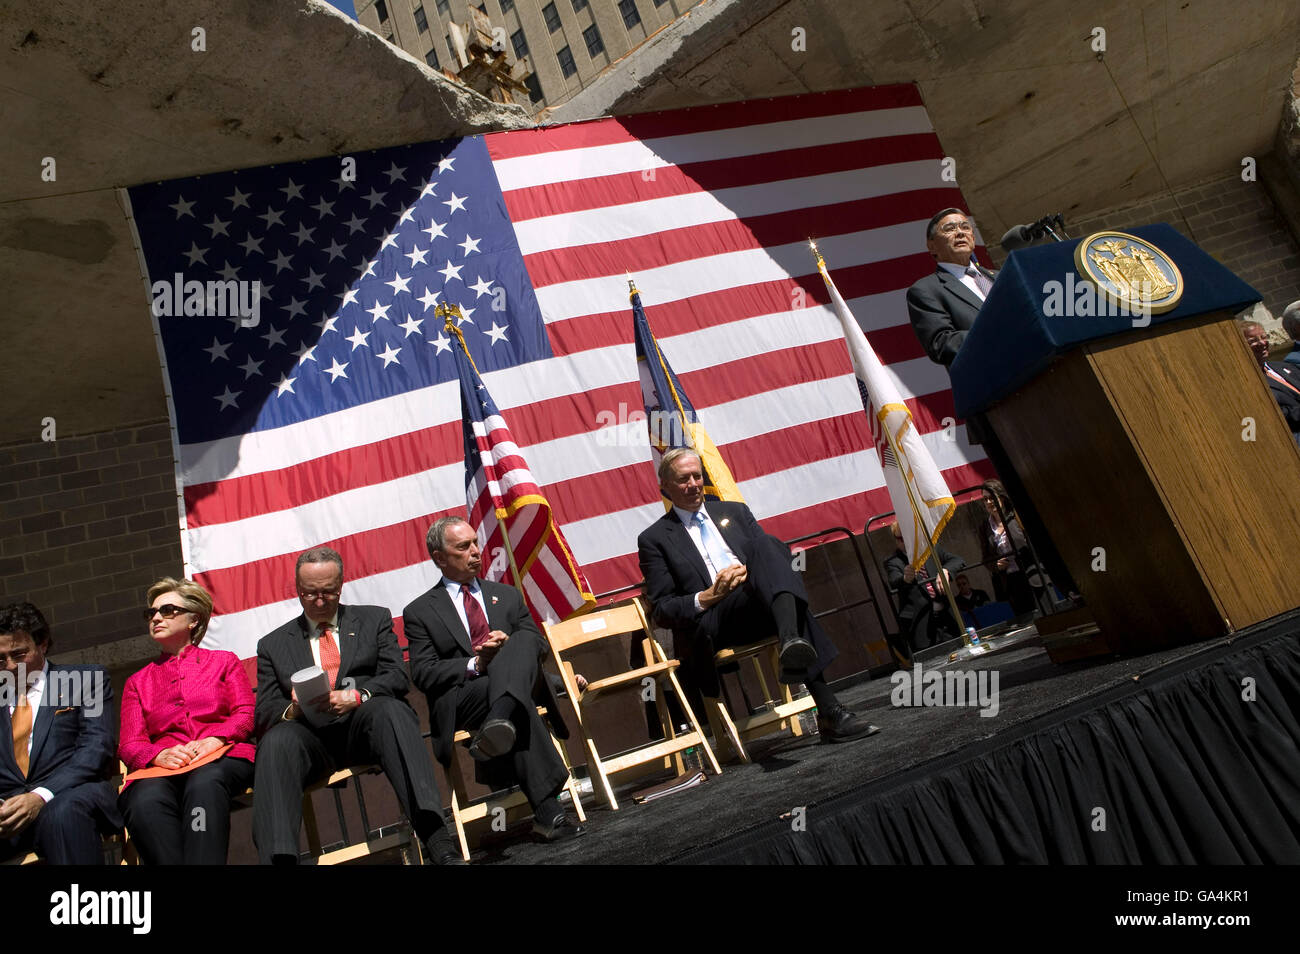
point(562, 44)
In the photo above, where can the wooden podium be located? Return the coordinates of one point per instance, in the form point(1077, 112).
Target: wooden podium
point(1176, 515)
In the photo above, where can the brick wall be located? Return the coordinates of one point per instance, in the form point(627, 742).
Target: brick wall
point(1232, 220)
point(86, 524)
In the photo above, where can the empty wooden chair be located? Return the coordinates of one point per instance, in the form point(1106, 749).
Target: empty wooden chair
point(624, 619)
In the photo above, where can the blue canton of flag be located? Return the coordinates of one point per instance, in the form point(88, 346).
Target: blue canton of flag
point(350, 271)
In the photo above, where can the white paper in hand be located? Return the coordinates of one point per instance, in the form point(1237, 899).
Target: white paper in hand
point(308, 684)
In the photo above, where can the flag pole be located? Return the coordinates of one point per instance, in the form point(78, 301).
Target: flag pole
point(448, 312)
point(901, 459)
point(943, 584)
point(683, 424)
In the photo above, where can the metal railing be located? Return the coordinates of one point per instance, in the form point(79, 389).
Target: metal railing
point(1045, 606)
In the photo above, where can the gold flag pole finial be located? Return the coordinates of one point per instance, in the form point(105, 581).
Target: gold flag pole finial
point(449, 313)
point(631, 285)
point(812, 244)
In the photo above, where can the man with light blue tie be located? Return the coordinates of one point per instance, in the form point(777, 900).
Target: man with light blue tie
point(716, 579)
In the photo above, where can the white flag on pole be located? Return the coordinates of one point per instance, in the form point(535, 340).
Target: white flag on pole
point(888, 414)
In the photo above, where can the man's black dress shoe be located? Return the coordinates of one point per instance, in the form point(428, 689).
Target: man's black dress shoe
point(441, 849)
point(797, 653)
point(495, 738)
point(841, 725)
point(562, 829)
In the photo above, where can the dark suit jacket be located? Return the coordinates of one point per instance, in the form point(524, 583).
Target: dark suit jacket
point(675, 571)
point(369, 659)
point(942, 310)
point(440, 651)
point(913, 600)
point(1286, 399)
point(74, 738)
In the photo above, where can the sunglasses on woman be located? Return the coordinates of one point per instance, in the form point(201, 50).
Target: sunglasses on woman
point(168, 611)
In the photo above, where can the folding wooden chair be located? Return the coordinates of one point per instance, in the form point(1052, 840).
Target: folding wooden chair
point(778, 712)
point(370, 842)
point(466, 811)
point(621, 620)
point(335, 782)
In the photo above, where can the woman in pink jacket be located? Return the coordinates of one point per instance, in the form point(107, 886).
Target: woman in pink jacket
point(187, 725)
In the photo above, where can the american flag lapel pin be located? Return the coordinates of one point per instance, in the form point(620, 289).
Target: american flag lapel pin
point(725, 522)
point(494, 601)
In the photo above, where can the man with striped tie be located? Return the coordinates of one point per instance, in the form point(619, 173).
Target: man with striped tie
point(58, 741)
point(943, 307)
point(363, 719)
point(1283, 378)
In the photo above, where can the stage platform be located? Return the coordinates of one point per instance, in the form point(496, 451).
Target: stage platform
point(1190, 755)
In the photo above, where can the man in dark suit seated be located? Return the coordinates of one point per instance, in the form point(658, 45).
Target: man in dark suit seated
point(58, 745)
point(370, 719)
point(477, 654)
point(923, 610)
point(1283, 379)
point(967, 597)
point(716, 580)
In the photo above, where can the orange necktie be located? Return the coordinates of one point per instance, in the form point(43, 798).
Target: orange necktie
point(329, 654)
point(22, 724)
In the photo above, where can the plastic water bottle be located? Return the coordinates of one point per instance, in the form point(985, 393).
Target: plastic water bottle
point(808, 721)
point(692, 758)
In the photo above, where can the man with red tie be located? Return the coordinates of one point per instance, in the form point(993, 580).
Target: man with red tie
point(366, 716)
point(1283, 378)
point(477, 654)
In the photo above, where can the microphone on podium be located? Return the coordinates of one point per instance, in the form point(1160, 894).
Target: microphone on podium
point(1019, 236)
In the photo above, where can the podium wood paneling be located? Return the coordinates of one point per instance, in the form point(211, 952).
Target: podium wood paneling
point(1136, 445)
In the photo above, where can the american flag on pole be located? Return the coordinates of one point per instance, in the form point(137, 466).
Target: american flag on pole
point(922, 503)
point(336, 419)
point(500, 491)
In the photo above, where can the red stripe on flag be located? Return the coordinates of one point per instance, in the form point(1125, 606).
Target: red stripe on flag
point(691, 178)
point(730, 235)
point(390, 459)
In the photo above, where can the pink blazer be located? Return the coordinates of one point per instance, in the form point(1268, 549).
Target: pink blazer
point(193, 695)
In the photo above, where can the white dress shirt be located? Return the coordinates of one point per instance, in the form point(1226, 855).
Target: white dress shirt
point(967, 280)
point(687, 517)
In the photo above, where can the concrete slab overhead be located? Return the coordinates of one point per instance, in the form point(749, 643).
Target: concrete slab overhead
point(1042, 112)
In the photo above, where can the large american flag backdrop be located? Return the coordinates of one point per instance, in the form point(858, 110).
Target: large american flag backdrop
point(336, 419)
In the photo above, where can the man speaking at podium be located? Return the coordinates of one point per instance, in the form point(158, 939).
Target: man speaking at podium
point(942, 308)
